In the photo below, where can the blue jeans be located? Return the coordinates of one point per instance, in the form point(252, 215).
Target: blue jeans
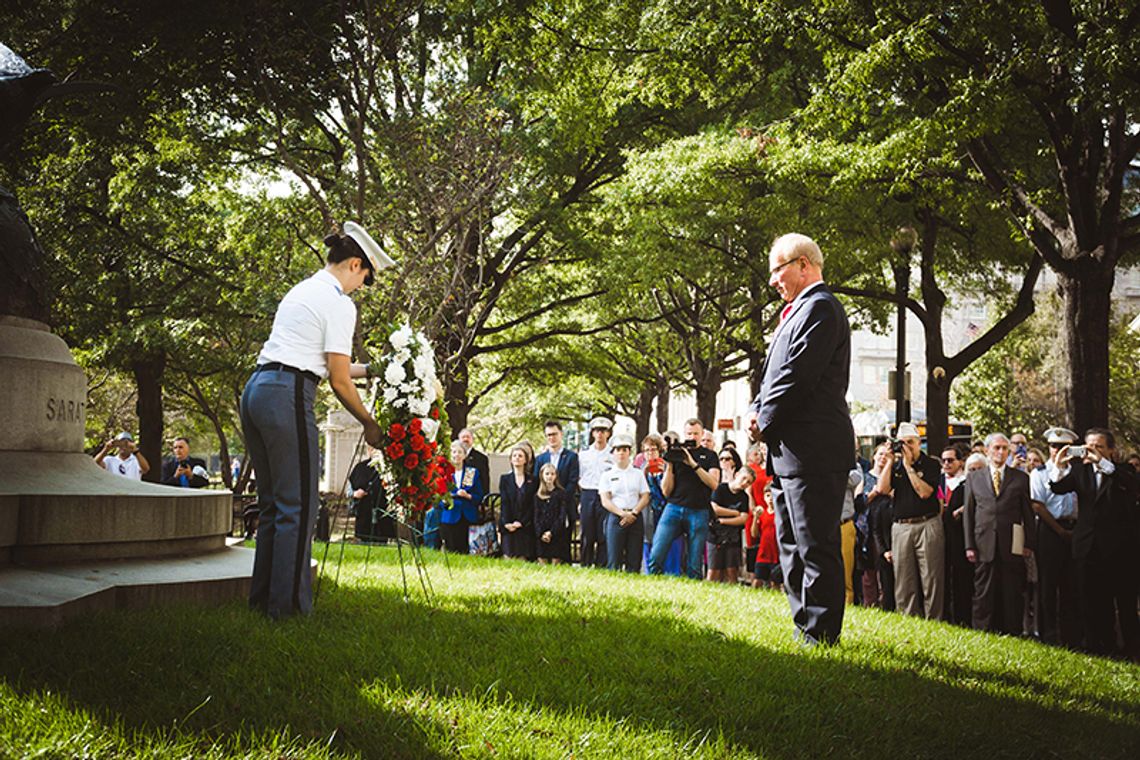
point(674, 520)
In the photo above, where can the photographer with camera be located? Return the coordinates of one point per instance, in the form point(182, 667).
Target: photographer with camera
point(691, 474)
point(1104, 538)
point(918, 541)
point(129, 462)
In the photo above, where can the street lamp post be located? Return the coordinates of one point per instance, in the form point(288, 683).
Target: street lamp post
point(902, 244)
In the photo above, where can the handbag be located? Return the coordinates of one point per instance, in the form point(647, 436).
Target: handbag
point(483, 540)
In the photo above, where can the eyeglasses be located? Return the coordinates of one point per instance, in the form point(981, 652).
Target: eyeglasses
point(774, 270)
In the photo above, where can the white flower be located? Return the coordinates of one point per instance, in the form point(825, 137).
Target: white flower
point(390, 394)
point(401, 338)
point(394, 373)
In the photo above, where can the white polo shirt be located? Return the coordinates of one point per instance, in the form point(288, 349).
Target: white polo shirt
point(314, 318)
point(592, 464)
point(127, 468)
point(624, 486)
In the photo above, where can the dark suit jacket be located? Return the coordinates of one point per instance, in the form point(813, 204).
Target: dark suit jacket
point(567, 476)
point(478, 460)
point(170, 466)
point(989, 519)
point(802, 407)
point(1107, 516)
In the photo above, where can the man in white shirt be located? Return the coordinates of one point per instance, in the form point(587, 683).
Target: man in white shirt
point(624, 495)
point(593, 462)
point(128, 463)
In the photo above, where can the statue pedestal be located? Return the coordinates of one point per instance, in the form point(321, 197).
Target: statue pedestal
point(58, 507)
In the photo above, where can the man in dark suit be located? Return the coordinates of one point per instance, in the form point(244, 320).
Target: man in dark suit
point(998, 507)
point(801, 413)
point(183, 470)
point(1105, 538)
point(566, 462)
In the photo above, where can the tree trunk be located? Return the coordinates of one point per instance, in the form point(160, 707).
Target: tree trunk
point(455, 397)
point(707, 388)
point(644, 410)
point(1087, 310)
point(937, 413)
point(663, 392)
point(148, 372)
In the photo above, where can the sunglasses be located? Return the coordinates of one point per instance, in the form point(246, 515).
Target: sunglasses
point(949, 459)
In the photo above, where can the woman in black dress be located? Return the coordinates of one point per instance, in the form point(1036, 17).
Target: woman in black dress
point(516, 515)
point(550, 516)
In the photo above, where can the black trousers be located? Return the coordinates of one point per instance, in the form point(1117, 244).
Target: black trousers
point(1108, 592)
point(959, 574)
point(1057, 601)
point(593, 524)
point(999, 594)
point(807, 530)
point(454, 536)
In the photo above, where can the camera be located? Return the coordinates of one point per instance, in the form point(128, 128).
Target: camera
point(674, 451)
point(1021, 451)
point(1078, 452)
point(897, 445)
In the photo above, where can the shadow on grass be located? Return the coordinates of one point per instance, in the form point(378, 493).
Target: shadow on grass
point(552, 652)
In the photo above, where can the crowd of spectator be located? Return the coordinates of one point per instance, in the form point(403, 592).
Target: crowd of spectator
point(998, 536)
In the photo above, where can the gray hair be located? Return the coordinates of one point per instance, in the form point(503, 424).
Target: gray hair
point(975, 458)
point(993, 437)
point(794, 245)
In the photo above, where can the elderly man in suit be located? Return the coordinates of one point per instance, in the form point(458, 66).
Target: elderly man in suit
point(568, 467)
point(801, 413)
point(999, 532)
point(1105, 537)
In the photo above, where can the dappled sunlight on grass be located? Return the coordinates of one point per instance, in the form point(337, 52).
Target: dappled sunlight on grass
point(509, 659)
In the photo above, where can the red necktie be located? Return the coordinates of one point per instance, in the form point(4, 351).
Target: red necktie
point(784, 313)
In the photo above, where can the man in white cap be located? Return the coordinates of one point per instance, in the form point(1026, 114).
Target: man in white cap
point(918, 541)
point(129, 462)
point(1058, 604)
point(311, 339)
point(592, 463)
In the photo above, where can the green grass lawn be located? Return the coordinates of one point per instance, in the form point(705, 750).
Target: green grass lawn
point(515, 660)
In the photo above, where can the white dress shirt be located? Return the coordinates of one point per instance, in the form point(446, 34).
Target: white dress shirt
point(314, 318)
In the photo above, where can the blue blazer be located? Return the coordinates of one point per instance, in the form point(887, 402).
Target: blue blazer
point(466, 508)
point(567, 477)
point(802, 406)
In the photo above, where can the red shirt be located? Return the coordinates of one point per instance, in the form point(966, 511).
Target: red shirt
point(768, 551)
point(758, 485)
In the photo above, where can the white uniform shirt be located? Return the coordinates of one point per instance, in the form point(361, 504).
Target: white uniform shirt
point(127, 468)
point(591, 464)
point(314, 318)
point(624, 486)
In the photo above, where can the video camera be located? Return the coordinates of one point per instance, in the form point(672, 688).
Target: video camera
point(674, 451)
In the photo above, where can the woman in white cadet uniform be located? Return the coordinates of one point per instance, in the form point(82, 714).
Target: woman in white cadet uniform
point(311, 339)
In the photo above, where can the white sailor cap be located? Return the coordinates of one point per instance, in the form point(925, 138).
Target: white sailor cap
point(601, 422)
point(1060, 435)
point(376, 257)
point(622, 441)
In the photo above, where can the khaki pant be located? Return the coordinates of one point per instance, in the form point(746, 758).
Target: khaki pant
point(847, 545)
point(918, 553)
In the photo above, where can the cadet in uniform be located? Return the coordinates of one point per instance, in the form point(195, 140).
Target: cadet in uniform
point(311, 339)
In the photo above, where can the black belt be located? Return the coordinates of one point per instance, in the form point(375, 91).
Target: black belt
point(1067, 522)
point(279, 367)
point(844, 522)
point(915, 520)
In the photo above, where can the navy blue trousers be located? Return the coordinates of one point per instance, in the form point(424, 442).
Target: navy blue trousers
point(281, 438)
point(807, 529)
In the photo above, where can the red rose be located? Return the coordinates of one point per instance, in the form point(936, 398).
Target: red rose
point(396, 431)
point(433, 446)
point(428, 477)
point(435, 412)
point(411, 461)
point(408, 490)
point(440, 486)
point(415, 442)
point(394, 451)
point(415, 425)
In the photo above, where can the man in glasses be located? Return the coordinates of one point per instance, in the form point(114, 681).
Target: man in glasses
point(801, 413)
point(567, 464)
point(959, 571)
point(1057, 600)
